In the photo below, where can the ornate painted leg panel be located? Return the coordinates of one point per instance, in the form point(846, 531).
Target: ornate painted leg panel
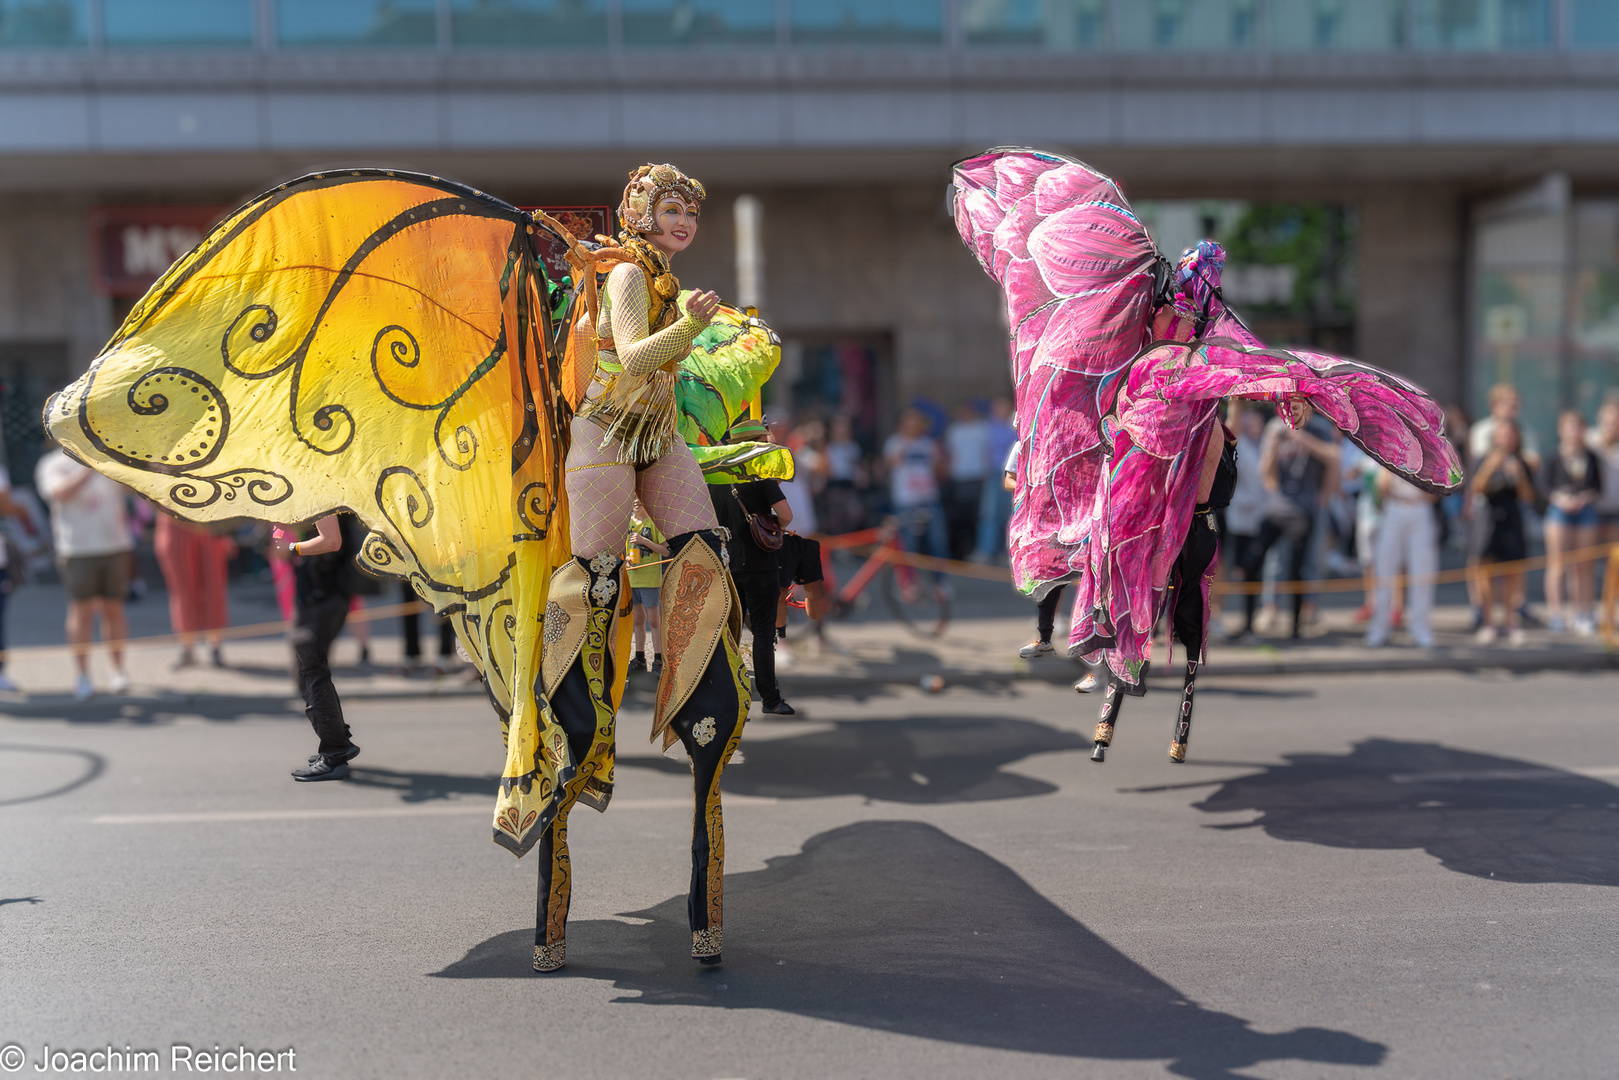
point(1112, 702)
point(577, 677)
point(1183, 721)
point(703, 701)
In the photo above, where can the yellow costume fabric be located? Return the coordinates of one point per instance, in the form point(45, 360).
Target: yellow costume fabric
point(636, 362)
point(378, 341)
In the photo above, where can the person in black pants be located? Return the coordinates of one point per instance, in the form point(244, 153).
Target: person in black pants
point(325, 579)
point(410, 628)
point(756, 572)
point(1298, 464)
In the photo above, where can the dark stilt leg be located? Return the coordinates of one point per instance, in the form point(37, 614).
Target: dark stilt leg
point(1112, 702)
point(703, 701)
point(581, 703)
point(1183, 722)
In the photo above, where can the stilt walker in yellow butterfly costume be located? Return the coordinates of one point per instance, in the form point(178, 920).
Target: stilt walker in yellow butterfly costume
point(388, 343)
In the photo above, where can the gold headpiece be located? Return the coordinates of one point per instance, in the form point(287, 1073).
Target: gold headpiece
point(638, 209)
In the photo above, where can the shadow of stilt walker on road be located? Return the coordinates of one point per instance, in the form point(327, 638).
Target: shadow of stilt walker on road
point(896, 926)
point(1478, 814)
point(915, 759)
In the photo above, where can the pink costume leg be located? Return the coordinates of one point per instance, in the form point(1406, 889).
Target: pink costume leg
point(675, 494)
point(587, 597)
point(702, 692)
point(601, 492)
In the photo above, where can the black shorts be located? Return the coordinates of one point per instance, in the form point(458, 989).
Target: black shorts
point(799, 561)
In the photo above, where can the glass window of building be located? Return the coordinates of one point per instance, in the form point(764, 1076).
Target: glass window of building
point(355, 23)
point(1049, 24)
point(1520, 276)
point(1596, 305)
point(1594, 24)
point(663, 23)
point(1481, 24)
point(44, 23)
point(1336, 24)
point(1198, 25)
point(867, 22)
point(526, 24)
point(163, 23)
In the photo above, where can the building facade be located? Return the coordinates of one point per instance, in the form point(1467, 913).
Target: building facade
point(1474, 144)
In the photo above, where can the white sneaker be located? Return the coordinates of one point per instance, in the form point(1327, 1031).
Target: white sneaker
point(7, 685)
point(83, 689)
point(1486, 635)
point(1515, 637)
point(119, 683)
point(1584, 626)
point(1036, 648)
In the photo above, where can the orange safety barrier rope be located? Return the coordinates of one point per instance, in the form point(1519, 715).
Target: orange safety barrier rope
point(863, 543)
point(1234, 588)
point(229, 633)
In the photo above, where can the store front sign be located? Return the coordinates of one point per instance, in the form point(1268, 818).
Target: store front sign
point(131, 246)
point(585, 222)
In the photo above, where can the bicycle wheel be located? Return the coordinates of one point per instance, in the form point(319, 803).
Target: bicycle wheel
point(916, 600)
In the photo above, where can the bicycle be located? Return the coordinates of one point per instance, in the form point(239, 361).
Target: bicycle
point(924, 610)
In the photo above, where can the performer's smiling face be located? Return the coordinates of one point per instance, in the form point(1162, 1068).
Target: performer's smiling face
point(678, 220)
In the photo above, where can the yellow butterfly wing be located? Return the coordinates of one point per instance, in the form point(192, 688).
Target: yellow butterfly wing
point(376, 341)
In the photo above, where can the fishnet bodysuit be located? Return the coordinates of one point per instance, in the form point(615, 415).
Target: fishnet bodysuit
point(626, 319)
point(601, 489)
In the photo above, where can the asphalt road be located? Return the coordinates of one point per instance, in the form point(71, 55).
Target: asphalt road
point(1408, 876)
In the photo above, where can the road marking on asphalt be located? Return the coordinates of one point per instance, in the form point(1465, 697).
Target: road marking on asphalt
point(220, 817)
point(1601, 773)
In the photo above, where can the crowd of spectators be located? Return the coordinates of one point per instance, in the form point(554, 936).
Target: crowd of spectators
point(1330, 509)
point(1309, 505)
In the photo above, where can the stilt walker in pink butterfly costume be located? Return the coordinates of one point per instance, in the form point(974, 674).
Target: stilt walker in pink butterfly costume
point(1120, 361)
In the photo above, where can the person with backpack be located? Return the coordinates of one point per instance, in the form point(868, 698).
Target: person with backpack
point(756, 570)
point(325, 581)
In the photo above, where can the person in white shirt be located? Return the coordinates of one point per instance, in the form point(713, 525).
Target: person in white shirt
point(913, 460)
point(1408, 534)
point(966, 447)
point(91, 533)
point(1505, 404)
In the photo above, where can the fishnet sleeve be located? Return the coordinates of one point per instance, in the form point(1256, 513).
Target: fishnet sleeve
point(642, 353)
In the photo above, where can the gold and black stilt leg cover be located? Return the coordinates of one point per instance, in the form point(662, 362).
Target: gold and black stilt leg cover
point(703, 700)
point(581, 682)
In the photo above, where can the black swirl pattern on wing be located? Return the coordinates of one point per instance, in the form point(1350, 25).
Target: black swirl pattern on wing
point(419, 510)
point(258, 485)
point(187, 422)
point(535, 505)
point(257, 323)
point(400, 346)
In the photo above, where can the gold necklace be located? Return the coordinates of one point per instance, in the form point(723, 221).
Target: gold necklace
point(662, 285)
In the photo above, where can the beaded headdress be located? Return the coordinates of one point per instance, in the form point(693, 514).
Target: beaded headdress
point(1196, 284)
point(649, 183)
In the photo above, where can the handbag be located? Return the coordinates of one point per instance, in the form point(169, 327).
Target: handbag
point(767, 533)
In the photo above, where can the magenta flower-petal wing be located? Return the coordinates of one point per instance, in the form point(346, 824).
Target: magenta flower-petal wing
point(1386, 416)
point(1113, 433)
point(1075, 266)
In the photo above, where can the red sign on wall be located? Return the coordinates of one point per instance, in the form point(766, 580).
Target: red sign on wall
point(585, 222)
point(131, 246)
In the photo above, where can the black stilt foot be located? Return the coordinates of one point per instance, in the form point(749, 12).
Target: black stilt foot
point(1100, 753)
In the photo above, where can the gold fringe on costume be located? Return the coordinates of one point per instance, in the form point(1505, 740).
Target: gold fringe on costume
point(639, 411)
